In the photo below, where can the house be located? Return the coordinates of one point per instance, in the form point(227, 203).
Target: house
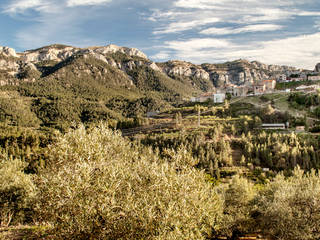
point(259, 88)
point(270, 84)
point(215, 97)
point(241, 91)
point(237, 91)
point(314, 78)
point(282, 78)
point(193, 99)
point(219, 97)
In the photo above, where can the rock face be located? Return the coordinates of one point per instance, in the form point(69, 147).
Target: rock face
point(317, 68)
point(13, 64)
point(33, 64)
point(8, 52)
point(62, 52)
point(113, 49)
point(236, 72)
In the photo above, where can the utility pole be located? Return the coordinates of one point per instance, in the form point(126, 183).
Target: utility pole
point(198, 116)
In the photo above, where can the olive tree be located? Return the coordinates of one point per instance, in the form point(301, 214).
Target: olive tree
point(98, 186)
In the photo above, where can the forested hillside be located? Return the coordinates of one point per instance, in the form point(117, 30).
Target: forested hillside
point(80, 158)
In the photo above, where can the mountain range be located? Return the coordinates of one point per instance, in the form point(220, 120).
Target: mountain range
point(60, 82)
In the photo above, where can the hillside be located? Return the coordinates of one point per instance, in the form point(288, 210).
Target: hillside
point(190, 171)
point(236, 72)
point(62, 84)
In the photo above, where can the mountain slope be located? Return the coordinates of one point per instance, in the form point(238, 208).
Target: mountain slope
point(64, 84)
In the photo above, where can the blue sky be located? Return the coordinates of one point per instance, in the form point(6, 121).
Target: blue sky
point(285, 32)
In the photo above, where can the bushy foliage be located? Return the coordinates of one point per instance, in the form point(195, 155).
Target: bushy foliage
point(25, 144)
point(210, 149)
point(281, 151)
point(306, 100)
point(17, 192)
point(237, 196)
point(99, 187)
point(290, 208)
point(15, 110)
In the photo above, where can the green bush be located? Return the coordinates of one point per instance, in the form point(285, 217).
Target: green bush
point(237, 196)
point(17, 192)
point(290, 208)
point(99, 187)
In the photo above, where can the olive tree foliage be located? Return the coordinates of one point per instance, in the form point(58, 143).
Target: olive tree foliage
point(17, 192)
point(290, 208)
point(238, 198)
point(98, 186)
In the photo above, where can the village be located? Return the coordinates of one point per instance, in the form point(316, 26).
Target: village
point(266, 86)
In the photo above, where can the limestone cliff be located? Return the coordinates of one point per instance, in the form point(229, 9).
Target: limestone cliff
point(34, 64)
point(59, 52)
point(236, 72)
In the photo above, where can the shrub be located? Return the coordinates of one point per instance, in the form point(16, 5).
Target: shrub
point(99, 187)
point(17, 192)
point(237, 196)
point(290, 208)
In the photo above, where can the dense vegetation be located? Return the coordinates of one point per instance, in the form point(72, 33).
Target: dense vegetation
point(190, 172)
point(97, 185)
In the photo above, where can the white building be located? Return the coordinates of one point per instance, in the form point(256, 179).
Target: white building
point(215, 97)
point(273, 126)
point(282, 78)
point(313, 78)
point(219, 98)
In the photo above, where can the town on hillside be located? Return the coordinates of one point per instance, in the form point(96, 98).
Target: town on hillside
point(266, 86)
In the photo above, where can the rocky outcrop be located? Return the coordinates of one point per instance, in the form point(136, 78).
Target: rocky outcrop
point(114, 48)
point(237, 72)
point(61, 52)
point(15, 64)
point(49, 53)
point(28, 66)
point(8, 52)
point(185, 69)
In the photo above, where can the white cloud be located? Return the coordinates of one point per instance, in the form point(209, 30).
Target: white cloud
point(74, 3)
point(56, 21)
point(197, 44)
point(22, 5)
point(238, 18)
point(190, 14)
point(308, 13)
point(213, 4)
point(183, 26)
point(163, 55)
point(245, 29)
point(300, 51)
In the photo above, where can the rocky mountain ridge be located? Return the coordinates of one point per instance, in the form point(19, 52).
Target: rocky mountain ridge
point(237, 72)
point(13, 66)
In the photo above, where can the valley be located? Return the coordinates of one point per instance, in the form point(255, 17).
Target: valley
point(103, 143)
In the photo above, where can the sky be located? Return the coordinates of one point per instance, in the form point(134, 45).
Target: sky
point(283, 32)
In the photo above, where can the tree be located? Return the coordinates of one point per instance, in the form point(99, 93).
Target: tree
point(238, 196)
point(17, 192)
point(290, 208)
point(97, 186)
point(269, 110)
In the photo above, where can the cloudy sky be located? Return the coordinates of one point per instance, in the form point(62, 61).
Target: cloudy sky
point(285, 32)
